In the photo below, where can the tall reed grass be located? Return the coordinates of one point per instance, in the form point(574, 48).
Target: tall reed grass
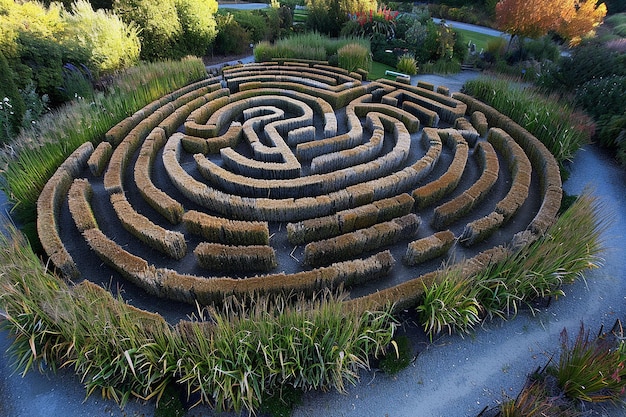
point(229, 358)
point(354, 56)
point(570, 247)
point(310, 45)
point(560, 127)
point(29, 161)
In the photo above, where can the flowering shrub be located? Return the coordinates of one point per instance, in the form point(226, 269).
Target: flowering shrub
point(381, 21)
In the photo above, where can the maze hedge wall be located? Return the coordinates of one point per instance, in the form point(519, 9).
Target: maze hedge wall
point(282, 178)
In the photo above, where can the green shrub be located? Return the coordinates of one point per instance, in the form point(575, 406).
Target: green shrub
point(254, 22)
point(199, 27)
point(603, 96)
point(12, 106)
point(542, 49)
point(41, 60)
point(587, 62)
point(325, 16)
point(231, 37)
point(110, 43)
point(158, 22)
point(407, 65)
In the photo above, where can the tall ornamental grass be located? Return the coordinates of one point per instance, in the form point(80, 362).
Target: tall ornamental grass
point(569, 248)
point(560, 127)
point(229, 358)
point(312, 45)
point(354, 56)
point(29, 161)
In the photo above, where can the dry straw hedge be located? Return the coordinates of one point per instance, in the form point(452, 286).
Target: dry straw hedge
point(49, 204)
point(220, 257)
point(349, 245)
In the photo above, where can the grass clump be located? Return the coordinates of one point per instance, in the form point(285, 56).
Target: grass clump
point(537, 271)
point(451, 303)
point(407, 64)
point(354, 56)
point(312, 46)
point(32, 158)
point(229, 358)
point(591, 369)
point(558, 126)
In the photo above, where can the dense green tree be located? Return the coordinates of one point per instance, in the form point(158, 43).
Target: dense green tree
point(11, 103)
point(159, 23)
point(197, 19)
point(110, 43)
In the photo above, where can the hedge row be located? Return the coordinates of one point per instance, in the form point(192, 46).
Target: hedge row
point(291, 68)
point(333, 143)
point(337, 99)
point(123, 153)
point(278, 71)
point(479, 121)
point(346, 221)
point(544, 163)
point(315, 184)
point(446, 183)
point(117, 133)
point(409, 293)
point(452, 210)
point(165, 205)
point(165, 241)
point(521, 172)
point(194, 289)
point(220, 257)
point(430, 247)
point(356, 155)
point(79, 201)
point(353, 244)
point(100, 158)
point(48, 205)
point(227, 231)
point(467, 130)
point(448, 108)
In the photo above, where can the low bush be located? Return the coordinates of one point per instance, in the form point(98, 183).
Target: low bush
point(354, 56)
point(407, 65)
point(603, 97)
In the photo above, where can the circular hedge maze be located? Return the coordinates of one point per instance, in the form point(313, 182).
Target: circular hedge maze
point(293, 177)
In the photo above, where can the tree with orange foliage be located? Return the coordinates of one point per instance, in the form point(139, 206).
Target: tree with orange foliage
point(572, 19)
point(582, 21)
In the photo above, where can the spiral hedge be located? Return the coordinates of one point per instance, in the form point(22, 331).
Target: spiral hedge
point(290, 179)
point(315, 166)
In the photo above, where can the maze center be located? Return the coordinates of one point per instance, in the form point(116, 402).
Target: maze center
point(293, 178)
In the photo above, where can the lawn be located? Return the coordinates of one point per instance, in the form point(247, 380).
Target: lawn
point(378, 71)
point(480, 39)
